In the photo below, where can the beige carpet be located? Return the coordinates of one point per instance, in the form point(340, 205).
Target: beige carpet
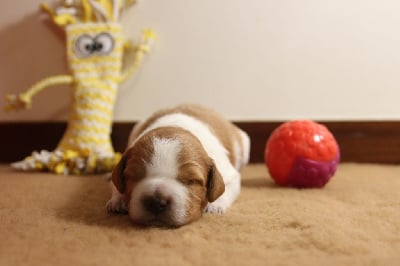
point(57, 220)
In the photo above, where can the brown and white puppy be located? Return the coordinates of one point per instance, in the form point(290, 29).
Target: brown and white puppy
point(179, 163)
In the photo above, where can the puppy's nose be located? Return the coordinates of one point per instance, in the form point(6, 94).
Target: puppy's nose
point(155, 205)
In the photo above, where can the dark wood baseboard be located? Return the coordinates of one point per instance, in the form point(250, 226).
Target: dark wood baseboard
point(366, 141)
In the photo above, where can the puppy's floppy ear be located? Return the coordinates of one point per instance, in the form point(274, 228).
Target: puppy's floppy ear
point(118, 176)
point(215, 183)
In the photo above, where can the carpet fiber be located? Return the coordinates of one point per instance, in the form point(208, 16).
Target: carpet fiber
point(59, 220)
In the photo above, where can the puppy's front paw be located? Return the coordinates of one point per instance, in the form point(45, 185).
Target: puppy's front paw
point(116, 204)
point(216, 207)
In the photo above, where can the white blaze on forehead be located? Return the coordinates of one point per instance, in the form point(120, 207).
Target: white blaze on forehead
point(164, 161)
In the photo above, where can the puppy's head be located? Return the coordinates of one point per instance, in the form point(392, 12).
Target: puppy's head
point(167, 178)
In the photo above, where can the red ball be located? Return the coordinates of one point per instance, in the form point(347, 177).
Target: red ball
point(301, 153)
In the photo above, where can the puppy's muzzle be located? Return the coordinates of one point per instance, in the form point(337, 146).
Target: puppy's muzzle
point(159, 201)
point(156, 204)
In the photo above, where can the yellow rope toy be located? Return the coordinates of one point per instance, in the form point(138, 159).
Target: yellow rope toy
point(95, 53)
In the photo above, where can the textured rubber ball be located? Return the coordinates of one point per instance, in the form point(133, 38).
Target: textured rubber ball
point(302, 153)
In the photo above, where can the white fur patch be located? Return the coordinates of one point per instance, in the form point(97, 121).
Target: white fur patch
point(245, 148)
point(238, 154)
point(164, 161)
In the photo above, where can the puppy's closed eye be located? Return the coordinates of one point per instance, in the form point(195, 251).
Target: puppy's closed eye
point(193, 182)
point(191, 175)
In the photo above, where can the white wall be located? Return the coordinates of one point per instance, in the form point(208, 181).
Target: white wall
point(250, 59)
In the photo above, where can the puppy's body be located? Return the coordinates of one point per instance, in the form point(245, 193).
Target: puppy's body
point(179, 163)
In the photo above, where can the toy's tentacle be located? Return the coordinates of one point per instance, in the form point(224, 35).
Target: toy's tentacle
point(59, 19)
point(24, 100)
point(100, 10)
point(87, 11)
point(84, 11)
point(142, 49)
point(117, 5)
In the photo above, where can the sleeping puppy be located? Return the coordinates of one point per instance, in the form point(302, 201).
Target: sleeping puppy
point(179, 163)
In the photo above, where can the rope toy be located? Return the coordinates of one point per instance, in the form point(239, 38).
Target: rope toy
point(95, 55)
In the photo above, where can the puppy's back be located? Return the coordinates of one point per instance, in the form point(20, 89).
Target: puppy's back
point(234, 140)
